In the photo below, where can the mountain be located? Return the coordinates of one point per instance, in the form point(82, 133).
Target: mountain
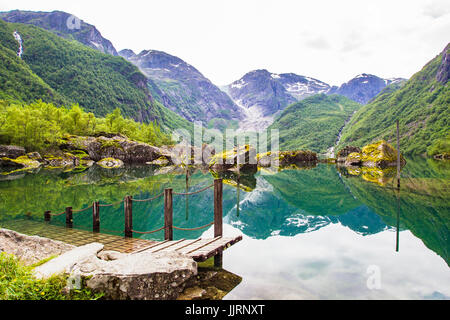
point(363, 87)
point(314, 123)
point(422, 107)
point(64, 25)
point(262, 95)
point(183, 89)
point(65, 72)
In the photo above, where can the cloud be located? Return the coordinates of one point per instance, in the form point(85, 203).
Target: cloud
point(318, 42)
point(437, 9)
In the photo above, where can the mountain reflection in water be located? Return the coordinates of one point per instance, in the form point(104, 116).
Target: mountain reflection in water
point(310, 233)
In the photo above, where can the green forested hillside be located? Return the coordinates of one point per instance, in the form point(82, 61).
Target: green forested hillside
point(57, 70)
point(422, 106)
point(18, 82)
point(314, 123)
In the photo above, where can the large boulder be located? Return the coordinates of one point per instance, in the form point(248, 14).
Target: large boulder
point(141, 276)
point(113, 146)
point(285, 158)
point(345, 152)
point(30, 249)
point(228, 160)
point(66, 262)
point(182, 153)
point(60, 160)
point(22, 162)
point(11, 152)
point(380, 154)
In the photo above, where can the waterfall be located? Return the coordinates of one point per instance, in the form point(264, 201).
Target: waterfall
point(19, 40)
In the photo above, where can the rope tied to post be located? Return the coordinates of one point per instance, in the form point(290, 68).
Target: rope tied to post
point(195, 192)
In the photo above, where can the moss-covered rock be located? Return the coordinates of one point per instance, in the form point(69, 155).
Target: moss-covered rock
point(228, 160)
point(285, 158)
point(345, 152)
point(380, 154)
point(161, 161)
point(110, 163)
point(11, 152)
point(112, 146)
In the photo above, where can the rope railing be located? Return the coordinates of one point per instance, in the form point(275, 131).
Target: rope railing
point(151, 199)
point(56, 214)
point(195, 192)
point(112, 204)
point(194, 229)
point(148, 232)
point(82, 210)
point(168, 214)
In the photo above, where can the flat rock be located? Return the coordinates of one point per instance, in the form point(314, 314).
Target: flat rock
point(30, 249)
point(141, 276)
point(66, 262)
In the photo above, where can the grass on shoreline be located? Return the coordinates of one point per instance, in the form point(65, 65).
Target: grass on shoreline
point(18, 283)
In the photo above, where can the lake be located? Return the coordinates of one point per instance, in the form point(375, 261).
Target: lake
point(317, 232)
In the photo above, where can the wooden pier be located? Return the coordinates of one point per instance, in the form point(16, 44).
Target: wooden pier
point(199, 249)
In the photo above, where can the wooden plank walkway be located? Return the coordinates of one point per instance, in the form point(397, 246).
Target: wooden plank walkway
point(199, 249)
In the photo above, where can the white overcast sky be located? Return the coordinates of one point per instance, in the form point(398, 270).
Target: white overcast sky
point(330, 40)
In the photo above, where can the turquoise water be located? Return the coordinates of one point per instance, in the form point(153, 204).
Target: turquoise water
point(313, 233)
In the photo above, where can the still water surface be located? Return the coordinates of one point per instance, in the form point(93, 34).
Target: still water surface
point(313, 233)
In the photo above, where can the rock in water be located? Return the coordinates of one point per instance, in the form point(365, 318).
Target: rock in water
point(380, 154)
point(345, 152)
point(113, 146)
point(110, 163)
point(285, 158)
point(11, 152)
point(244, 155)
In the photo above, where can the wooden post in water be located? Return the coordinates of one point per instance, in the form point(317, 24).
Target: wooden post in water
point(69, 218)
point(47, 216)
point(128, 207)
point(168, 214)
point(398, 155)
point(218, 218)
point(96, 217)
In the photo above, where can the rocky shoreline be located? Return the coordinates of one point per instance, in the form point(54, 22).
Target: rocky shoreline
point(118, 276)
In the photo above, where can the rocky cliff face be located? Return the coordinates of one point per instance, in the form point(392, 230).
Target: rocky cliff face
point(269, 93)
point(182, 88)
point(363, 87)
point(63, 24)
point(443, 73)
